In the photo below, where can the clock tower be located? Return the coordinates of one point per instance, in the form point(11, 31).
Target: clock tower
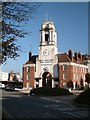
point(48, 42)
point(46, 65)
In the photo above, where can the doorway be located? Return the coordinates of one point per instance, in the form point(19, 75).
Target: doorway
point(46, 79)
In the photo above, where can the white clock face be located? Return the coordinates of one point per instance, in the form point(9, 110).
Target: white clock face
point(45, 52)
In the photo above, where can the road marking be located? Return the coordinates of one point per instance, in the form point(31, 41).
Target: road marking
point(73, 110)
point(84, 113)
point(46, 98)
point(73, 114)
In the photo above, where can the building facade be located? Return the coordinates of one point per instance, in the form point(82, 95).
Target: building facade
point(71, 70)
point(86, 61)
point(50, 68)
point(14, 77)
point(3, 76)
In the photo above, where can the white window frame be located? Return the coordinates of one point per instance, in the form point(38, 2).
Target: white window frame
point(28, 68)
point(28, 77)
point(64, 76)
point(64, 67)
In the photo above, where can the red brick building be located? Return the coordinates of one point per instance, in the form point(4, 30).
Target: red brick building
point(50, 68)
point(71, 69)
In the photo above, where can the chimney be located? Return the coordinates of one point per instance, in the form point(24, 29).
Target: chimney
point(76, 56)
point(79, 55)
point(30, 55)
point(70, 54)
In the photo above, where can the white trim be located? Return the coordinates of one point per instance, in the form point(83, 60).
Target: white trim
point(73, 64)
point(64, 76)
point(28, 68)
point(31, 65)
point(88, 61)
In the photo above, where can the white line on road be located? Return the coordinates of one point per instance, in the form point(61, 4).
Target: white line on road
point(75, 115)
point(71, 111)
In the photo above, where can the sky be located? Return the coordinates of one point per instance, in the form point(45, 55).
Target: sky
point(71, 22)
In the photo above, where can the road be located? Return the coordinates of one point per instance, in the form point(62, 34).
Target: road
point(24, 106)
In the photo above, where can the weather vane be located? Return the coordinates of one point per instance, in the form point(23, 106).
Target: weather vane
point(46, 16)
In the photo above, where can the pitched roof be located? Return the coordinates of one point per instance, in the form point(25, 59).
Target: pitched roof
point(86, 57)
point(29, 62)
point(64, 57)
point(32, 60)
point(79, 61)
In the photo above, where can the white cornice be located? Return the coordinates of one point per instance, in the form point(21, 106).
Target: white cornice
point(31, 65)
point(88, 61)
point(73, 64)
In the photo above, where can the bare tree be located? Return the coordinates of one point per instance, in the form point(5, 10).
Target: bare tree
point(14, 15)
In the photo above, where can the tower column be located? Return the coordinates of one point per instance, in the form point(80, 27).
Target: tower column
point(50, 36)
point(43, 37)
point(40, 38)
point(40, 82)
point(74, 85)
point(53, 83)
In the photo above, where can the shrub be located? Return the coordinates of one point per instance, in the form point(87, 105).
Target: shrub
point(47, 91)
point(83, 98)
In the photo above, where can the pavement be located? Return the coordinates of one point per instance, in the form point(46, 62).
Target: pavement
point(68, 99)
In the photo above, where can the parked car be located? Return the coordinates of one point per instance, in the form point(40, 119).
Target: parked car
point(2, 85)
point(9, 88)
point(31, 92)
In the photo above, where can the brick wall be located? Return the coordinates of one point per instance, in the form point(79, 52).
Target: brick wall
point(28, 76)
point(32, 76)
point(24, 77)
point(70, 74)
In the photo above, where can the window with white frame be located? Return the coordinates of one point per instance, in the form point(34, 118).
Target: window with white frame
point(64, 76)
point(75, 68)
point(28, 68)
point(81, 69)
point(28, 76)
point(78, 76)
point(64, 67)
point(84, 69)
point(73, 76)
point(28, 85)
point(83, 77)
